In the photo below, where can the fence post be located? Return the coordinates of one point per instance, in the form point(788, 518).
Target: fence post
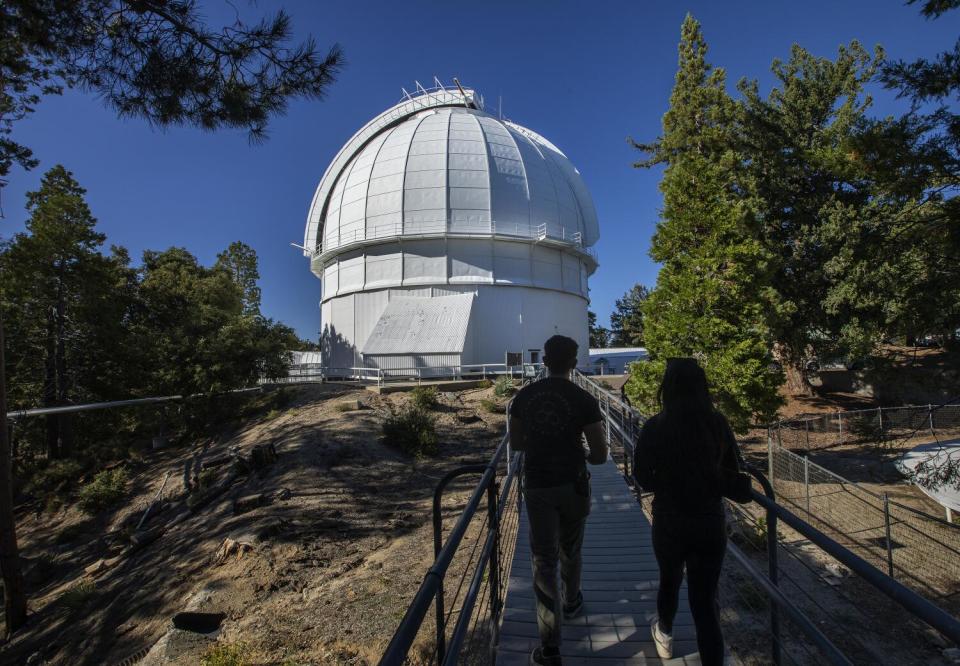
point(880, 417)
point(840, 424)
point(806, 428)
point(886, 520)
point(930, 414)
point(806, 481)
point(770, 455)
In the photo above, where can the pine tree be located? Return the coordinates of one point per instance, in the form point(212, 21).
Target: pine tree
point(813, 202)
point(710, 300)
point(240, 260)
point(626, 321)
point(599, 335)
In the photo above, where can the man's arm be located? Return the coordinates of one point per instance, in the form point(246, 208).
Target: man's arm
point(516, 434)
point(597, 441)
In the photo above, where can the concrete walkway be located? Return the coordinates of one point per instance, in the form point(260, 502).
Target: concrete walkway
point(620, 578)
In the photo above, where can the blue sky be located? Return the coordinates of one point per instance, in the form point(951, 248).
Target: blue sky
point(584, 74)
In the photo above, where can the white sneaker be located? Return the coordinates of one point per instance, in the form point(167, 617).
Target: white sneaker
point(663, 641)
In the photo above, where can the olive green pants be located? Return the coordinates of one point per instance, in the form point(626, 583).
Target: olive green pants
point(557, 517)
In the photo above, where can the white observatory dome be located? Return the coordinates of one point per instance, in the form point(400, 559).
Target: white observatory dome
point(437, 192)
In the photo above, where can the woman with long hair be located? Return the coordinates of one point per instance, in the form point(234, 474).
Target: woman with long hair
point(686, 455)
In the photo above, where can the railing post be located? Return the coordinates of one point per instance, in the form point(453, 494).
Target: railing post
point(437, 545)
point(840, 426)
point(886, 520)
point(930, 415)
point(772, 566)
point(806, 481)
point(880, 417)
point(493, 523)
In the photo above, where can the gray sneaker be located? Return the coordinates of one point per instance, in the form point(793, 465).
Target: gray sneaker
point(662, 640)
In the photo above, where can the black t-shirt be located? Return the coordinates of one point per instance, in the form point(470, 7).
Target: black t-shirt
point(553, 412)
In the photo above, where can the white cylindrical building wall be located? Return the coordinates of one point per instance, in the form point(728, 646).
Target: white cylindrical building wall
point(435, 198)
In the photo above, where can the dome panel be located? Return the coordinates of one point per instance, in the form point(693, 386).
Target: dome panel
point(449, 170)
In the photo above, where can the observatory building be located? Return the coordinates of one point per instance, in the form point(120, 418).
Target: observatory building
point(446, 237)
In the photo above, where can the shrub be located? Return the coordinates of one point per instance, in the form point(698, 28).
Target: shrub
point(413, 431)
point(485, 383)
point(424, 397)
point(492, 406)
point(78, 594)
point(226, 654)
point(207, 478)
point(58, 474)
point(107, 488)
point(503, 388)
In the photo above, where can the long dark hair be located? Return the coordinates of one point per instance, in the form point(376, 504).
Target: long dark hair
point(690, 459)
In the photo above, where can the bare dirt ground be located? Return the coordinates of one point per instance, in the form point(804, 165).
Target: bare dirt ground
point(331, 551)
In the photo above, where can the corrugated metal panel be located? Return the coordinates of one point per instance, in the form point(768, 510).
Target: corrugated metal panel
point(414, 365)
point(421, 326)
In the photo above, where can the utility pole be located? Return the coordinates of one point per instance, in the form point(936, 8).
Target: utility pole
point(14, 594)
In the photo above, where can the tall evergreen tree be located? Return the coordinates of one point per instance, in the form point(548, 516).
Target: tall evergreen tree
point(240, 260)
point(813, 198)
point(599, 335)
point(626, 321)
point(710, 300)
point(66, 304)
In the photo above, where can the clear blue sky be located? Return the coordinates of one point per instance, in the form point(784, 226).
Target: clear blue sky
point(584, 74)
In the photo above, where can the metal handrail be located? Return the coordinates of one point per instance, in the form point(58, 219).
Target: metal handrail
point(915, 604)
point(133, 402)
point(933, 615)
point(432, 586)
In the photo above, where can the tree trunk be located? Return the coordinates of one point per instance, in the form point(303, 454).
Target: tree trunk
point(14, 594)
point(793, 370)
point(64, 421)
point(49, 396)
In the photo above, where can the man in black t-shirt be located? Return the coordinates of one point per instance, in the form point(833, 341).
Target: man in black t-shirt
point(548, 421)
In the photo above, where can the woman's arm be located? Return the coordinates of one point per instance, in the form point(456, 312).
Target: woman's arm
point(643, 463)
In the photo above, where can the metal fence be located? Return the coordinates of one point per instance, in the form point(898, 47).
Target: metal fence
point(918, 549)
point(889, 429)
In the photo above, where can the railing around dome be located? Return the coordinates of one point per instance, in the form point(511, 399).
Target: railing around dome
point(537, 232)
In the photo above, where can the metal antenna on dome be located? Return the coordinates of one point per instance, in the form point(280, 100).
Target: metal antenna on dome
point(462, 92)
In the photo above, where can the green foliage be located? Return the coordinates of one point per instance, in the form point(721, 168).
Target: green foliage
point(85, 327)
point(493, 406)
point(207, 478)
point(599, 335)
point(225, 654)
point(240, 261)
point(55, 476)
point(412, 431)
point(424, 397)
point(154, 60)
point(78, 594)
point(485, 383)
point(107, 489)
point(503, 387)
point(711, 300)
point(626, 322)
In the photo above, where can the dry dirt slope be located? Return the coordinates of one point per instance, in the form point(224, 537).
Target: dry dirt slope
point(338, 548)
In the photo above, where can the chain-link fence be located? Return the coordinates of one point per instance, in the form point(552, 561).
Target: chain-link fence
point(918, 549)
point(889, 429)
